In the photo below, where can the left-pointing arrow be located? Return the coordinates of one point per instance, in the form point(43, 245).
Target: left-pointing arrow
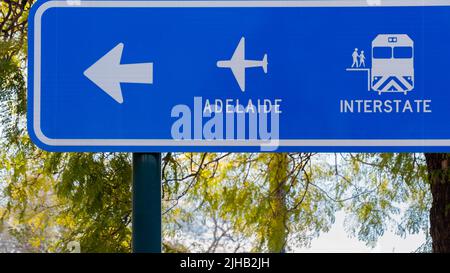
point(107, 73)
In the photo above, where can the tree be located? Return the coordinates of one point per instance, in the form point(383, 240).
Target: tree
point(439, 178)
point(278, 187)
point(390, 191)
point(427, 180)
point(267, 199)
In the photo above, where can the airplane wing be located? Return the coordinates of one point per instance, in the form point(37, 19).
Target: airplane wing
point(239, 52)
point(238, 67)
point(239, 75)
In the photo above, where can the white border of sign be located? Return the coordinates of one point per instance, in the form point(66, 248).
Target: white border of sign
point(230, 143)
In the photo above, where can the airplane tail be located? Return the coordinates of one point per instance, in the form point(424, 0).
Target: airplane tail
point(264, 63)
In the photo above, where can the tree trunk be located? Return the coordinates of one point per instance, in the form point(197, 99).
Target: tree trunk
point(439, 179)
point(277, 232)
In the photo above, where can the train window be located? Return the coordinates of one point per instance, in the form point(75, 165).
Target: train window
point(382, 52)
point(403, 52)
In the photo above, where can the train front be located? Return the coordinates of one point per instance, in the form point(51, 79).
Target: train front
point(392, 63)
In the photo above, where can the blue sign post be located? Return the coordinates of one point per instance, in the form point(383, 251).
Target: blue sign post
point(143, 76)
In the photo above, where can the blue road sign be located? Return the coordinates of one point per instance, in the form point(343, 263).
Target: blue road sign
point(240, 75)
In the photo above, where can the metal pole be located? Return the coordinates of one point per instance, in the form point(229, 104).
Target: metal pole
point(146, 203)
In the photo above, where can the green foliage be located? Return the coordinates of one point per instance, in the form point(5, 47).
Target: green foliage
point(55, 199)
point(390, 192)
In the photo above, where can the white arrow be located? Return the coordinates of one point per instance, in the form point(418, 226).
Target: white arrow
point(107, 73)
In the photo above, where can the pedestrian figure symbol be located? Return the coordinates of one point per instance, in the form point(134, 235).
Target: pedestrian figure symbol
point(362, 59)
point(355, 56)
point(359, 60)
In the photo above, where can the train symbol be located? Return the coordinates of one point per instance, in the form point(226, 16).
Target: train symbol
point(392, 61)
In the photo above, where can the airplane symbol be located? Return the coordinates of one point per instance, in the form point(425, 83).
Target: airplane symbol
point(238, 64)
